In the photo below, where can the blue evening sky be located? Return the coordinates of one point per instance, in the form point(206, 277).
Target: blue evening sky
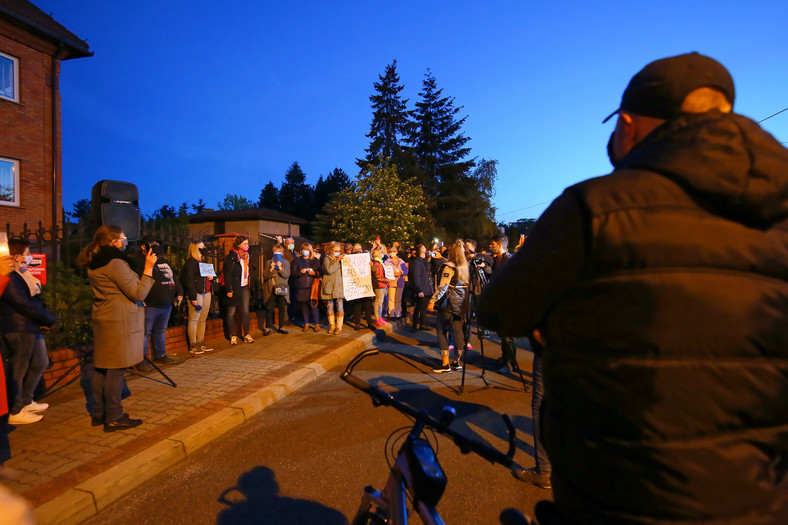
point(196, 99)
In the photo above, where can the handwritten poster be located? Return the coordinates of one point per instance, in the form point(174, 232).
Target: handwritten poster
point(356, 276)
point(389, 271)
point(206, 270)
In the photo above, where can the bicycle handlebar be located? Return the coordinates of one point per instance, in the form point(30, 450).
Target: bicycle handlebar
point(465, 444)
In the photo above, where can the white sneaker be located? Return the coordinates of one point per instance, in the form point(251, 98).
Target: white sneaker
point(36, 407)
point(206, 348)
point(248, 339)
point(234, 340)
point(24, 418)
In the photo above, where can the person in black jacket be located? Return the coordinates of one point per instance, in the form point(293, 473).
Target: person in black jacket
point(421, 275)
point(237, 271)
point(452, 300)
point(22, 316)
point(166, 290)
point(660, 295)
point(303, 272)
point(197, 291)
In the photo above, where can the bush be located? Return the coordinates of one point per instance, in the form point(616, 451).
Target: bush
point(69, 297)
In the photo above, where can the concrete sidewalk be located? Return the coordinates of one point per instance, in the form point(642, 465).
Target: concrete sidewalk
point(70, 470)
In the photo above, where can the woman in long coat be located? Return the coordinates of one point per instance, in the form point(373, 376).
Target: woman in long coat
point(118, 321)
point(331, 290)
point(304, 270)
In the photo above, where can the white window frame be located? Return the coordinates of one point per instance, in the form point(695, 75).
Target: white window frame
point(15, 62)
point(15, 164)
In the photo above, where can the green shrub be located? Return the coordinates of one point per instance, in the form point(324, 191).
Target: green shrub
point(69, 297)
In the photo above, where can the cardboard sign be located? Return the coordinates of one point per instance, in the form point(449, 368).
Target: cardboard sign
point(356, 279)
point(38, 268)
point(207, 270)
point(388, 269)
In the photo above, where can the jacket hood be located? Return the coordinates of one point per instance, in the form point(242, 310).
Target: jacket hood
point(104, 256)
point(726, 160)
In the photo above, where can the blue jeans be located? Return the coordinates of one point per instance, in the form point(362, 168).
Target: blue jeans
point(156, 319)
point(542, 461)
point(29, 359)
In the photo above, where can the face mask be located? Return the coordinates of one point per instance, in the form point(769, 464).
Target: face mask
point(123, 244)
point(336, 254)
point(27, 260)
point(201, 250)
point(291, 247)
point(305, 253)
point(610, 153)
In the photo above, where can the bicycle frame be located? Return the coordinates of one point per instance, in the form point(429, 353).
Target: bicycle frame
point(416, 471)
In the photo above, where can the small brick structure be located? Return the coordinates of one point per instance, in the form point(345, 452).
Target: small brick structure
point(64, 358)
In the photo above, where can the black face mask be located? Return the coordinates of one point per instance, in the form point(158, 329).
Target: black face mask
point(610, 154)
point(201, 250)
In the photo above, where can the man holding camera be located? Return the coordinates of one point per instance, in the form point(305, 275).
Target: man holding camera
point(165, 291)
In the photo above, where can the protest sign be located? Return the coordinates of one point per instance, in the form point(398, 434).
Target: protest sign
point(389, 271)
point(207, 270)
point(38, 268)
point(356, 276)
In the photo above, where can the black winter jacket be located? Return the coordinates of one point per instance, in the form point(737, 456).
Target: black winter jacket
point(19, 312)
point(420, 274)
point(665, 367)
point(193, 282)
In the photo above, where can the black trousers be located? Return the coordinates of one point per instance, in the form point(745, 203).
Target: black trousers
point(420, 310)
point(275, 301)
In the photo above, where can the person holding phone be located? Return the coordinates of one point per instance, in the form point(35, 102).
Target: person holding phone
point(276, 292)
point(422, 287)
point(197, 290)
point(118, 321)
point(304, 271)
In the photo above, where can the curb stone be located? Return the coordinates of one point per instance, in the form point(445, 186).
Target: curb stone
point(94, 495)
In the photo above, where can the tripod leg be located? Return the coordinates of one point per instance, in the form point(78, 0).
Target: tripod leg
point(50, 390)
point(159, 370)
point(481, 351)
point(516, 366)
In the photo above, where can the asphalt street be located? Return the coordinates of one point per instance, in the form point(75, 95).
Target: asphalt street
point(307, 458)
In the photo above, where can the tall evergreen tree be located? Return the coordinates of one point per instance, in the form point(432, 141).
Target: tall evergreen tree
point(437, 140)
point(269, 197)
point(389, 123)
point(334, 182)
point(295, 195)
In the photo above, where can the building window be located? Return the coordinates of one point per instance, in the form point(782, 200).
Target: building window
point(9, 182)
point(9, 77)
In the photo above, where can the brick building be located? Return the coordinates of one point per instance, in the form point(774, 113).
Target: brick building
point(32, 44)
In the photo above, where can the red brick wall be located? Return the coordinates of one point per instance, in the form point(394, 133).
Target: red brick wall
point(26, 127)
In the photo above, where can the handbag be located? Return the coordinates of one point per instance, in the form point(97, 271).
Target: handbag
point(280, 290)
point(314, 293)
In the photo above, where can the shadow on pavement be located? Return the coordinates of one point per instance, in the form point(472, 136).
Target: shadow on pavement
point(469, 415)
point(255, 499)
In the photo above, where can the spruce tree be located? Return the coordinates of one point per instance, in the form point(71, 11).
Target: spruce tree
point(389, 123)
point(295, 195)
point(269, 197)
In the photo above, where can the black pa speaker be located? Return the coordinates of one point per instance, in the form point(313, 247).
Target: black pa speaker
point(117, 203)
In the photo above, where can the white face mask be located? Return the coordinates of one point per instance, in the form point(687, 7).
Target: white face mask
point(27, 260)
point(305, 253)
point(336, 254)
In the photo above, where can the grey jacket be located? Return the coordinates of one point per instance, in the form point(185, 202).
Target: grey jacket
point(272, 278)
point(118, 314)
point(332, 287)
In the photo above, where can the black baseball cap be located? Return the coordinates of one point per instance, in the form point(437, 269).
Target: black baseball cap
point(658, 90)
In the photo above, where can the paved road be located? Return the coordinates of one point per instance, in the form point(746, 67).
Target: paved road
point(307, 458)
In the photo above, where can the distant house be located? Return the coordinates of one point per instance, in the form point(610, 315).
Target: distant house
point(32, 44)
point(256, 223)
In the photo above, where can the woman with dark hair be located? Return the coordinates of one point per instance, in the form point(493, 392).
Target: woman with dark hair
point(237, 280)
point(197, 290)
point(276, 292)
point(304, 271)
point(452, 301)
point(118, 321)
point(422, 286)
